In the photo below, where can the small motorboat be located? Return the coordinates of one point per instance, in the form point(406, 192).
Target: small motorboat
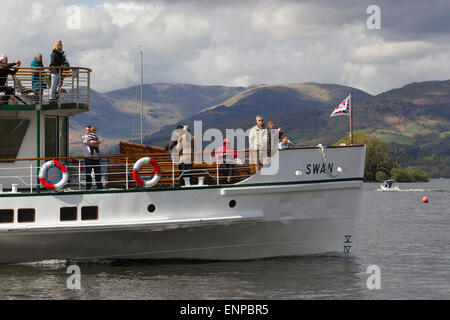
point(390, 185)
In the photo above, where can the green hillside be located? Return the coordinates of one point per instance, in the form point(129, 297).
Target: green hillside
point(414, 119)
point(117, 113)
point(276, 102)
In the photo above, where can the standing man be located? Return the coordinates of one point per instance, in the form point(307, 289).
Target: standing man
point(4, 72)
point(186, 145)
point(91, 148)
point(258, 145)
point(273, 137)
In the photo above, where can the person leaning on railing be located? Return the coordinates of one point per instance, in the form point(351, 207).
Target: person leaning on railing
point(37, 79)
point(226, 156)
point(4, 72)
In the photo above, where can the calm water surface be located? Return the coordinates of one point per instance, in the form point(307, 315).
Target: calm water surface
point(408, 240)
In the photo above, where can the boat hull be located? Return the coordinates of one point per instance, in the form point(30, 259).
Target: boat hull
point(299, 215)
point(266, 225)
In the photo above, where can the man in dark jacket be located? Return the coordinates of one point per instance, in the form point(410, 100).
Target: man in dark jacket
point(4, 72)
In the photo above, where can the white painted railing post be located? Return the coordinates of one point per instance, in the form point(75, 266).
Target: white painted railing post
point(217, 169)
point(31, 178)
point(78, 91)
point(173, 174)
point(79, 174)
point(126, 172)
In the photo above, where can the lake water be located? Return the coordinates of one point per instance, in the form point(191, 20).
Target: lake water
point(408, 240)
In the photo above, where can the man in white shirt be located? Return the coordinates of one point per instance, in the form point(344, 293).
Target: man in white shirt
point(90, 148)
point(186, 145)
point(258, 143)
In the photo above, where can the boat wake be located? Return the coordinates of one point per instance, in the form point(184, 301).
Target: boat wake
point(413, 190)
point(56, 263)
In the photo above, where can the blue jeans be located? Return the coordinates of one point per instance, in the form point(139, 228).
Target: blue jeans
point(90, 164)
point(8, 92)
point(56, 78)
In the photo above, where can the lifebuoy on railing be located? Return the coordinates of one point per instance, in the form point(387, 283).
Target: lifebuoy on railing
point(140, 182)
point(43, 175)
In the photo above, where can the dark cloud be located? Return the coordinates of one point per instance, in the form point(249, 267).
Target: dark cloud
point(240, 42)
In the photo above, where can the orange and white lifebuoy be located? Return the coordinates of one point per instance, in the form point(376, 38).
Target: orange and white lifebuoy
point(140, 182)
point(43, 173)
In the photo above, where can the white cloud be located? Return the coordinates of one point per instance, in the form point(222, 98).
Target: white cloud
point(228, 43)
point(381, 51)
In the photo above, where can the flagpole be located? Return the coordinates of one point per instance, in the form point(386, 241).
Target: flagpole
point(351, 117)
point(142, 85)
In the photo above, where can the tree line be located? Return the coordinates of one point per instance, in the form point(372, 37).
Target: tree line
point(379, 162)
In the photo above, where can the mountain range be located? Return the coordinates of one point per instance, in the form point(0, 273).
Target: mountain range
point(414, 119)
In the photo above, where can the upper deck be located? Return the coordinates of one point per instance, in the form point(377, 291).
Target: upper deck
point(32, 90)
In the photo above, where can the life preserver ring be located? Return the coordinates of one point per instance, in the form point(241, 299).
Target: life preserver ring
point(140, 182)
point(43, 175)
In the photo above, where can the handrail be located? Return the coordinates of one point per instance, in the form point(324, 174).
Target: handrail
point(120, 155)
point(117, 174)
point(32, 85)
point(158, 154)
point(42, 68)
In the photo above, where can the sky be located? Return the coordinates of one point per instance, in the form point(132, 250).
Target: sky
point(237, 43)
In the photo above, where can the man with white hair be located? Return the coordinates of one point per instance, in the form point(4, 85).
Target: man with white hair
point(258, 144)
point(4, 72)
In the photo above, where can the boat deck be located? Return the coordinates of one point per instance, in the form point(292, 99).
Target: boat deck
point(32, 94)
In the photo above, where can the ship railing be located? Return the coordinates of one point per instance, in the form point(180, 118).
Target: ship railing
point(116, 172)
point(32, 86)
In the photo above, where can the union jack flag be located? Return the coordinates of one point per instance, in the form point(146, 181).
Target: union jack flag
point(343, 108)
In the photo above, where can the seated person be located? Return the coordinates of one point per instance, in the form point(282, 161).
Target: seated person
point(285, 143)
point(4, 72)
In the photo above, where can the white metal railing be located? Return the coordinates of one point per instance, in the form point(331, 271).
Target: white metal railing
point(32, 86)
point(116, 173)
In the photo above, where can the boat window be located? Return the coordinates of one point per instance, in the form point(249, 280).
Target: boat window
point(6, 215)
point(63, 136)
point(68, 213)
point(51, 136)
point(89, 213)
point(12, 132)
point(26, 215)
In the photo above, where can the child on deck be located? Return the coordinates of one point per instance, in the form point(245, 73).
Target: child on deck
point(285, 143)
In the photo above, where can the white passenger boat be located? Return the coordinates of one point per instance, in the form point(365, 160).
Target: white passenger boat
point(308, 206)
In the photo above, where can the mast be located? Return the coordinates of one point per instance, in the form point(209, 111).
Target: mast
point(142, 85)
